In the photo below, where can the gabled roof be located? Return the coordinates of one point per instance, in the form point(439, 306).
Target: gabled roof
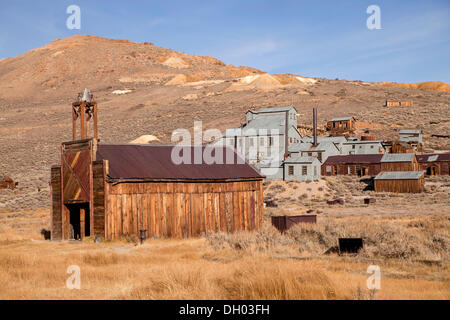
point(433, 157)
point(342, 119)
point(398, 157)
point(363, 142)
point(399, 175)
point(298, 159)
point(355, 158)
point(276, 109)
point(154, 162)
point(409, 131)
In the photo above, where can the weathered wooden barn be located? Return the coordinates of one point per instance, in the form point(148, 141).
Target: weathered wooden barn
point(341, 126)
point(399, 181)
point(121, 190)
point(434, 164)
point(399, 162)
point(113, 191)
point(356, 164)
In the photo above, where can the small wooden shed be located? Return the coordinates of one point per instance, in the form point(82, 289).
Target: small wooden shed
point(341, 126)
point(399, 181)
point(399, 162)
point(117, 190)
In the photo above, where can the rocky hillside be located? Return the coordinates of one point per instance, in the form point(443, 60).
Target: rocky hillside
point(146, 90)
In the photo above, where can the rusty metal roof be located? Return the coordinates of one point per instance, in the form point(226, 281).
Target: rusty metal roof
point(433, 157)
point(355, 158)
point(154, 162)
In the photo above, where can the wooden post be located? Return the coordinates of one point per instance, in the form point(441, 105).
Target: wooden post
point(74, 124)
point(82, 223)
point(95, 122)
point(87, 127)
point(82, 120)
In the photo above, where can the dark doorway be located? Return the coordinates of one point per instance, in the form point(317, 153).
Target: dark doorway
point(80, 220)
point(431, 171)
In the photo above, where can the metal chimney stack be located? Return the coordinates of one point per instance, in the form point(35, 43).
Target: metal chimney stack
point(314, 127)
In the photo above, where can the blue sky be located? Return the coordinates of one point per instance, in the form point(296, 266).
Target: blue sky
point(312, 38)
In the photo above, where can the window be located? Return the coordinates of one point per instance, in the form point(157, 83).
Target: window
point(304, 170)
point(353, 146)
point(290, 140)
point(360, 147)
point(350, 170)
point(309, 154)
point(261, 142)
point(291, 170)
point(250, 140)
point(371, 147)
point(328, 168)
point(270, 141)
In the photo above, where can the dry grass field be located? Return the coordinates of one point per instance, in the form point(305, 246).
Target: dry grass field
point(404, 234)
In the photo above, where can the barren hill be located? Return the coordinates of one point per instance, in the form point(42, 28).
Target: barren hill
point(146, 90)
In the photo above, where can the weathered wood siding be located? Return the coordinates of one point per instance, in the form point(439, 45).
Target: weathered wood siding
point(356, 169)
point(402, 186)
point(98, 171)
point(55, 190)
point(180, 209)
point(400, 166)
point(435, 167)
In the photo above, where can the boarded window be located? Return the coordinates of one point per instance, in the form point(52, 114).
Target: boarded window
point(291, 170)
point(304, 170)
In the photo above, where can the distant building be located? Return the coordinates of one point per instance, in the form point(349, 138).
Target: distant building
point(399, 181)
point(408, 140)
point(341, 126)
point(361, 165)
point(399, 162)
point(434, 164)
point(267, 138)
point(362, 147)
point(300, 168)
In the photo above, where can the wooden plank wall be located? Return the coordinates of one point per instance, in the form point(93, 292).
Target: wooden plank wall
point(98, 172)
point(402, 186)
point(400, 166)
point(342, 169)
point(56, 216)
point(181, 210)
